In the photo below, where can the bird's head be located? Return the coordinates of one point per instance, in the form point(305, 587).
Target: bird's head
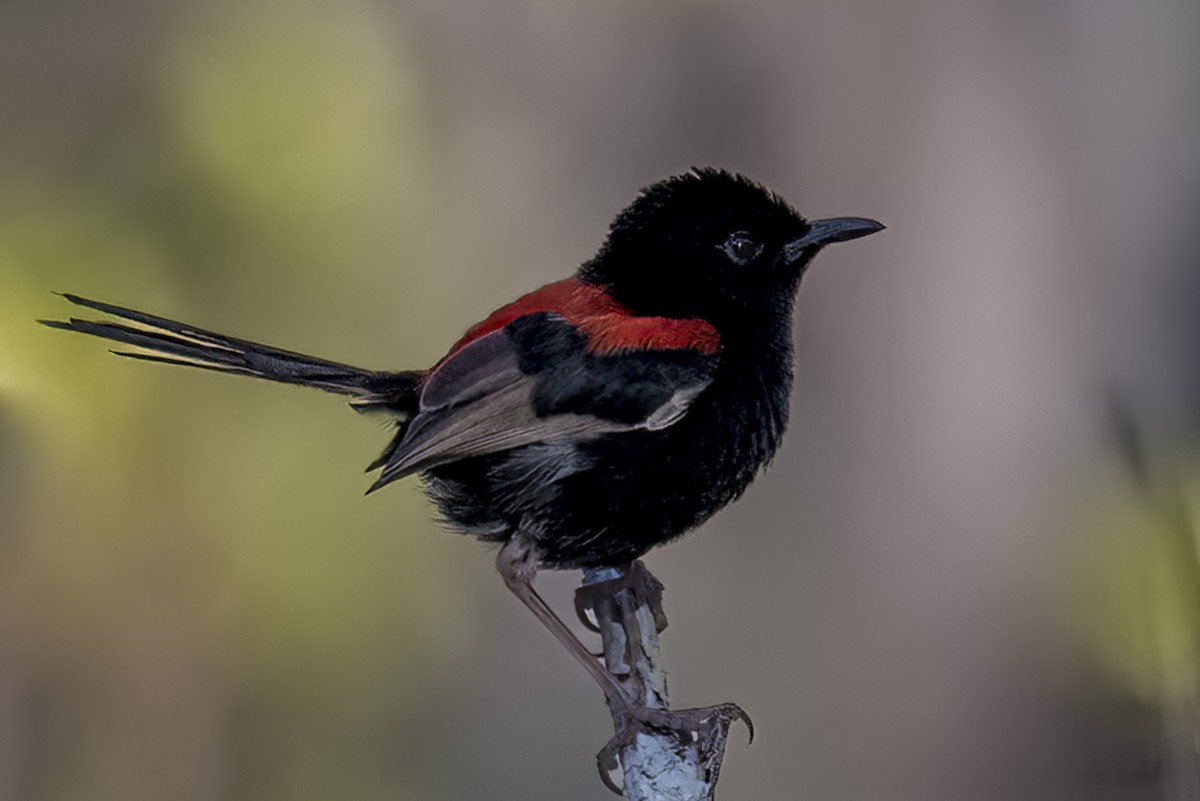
point(711, 244)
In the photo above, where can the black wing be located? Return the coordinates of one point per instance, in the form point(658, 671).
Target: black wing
point(535, 381)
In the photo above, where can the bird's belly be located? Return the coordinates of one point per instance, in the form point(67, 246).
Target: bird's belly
point(600, 503)
point(647, 492)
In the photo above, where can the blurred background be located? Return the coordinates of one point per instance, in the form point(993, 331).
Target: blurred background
point(969, 574)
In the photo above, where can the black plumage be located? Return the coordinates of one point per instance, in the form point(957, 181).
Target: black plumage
point(599, 416)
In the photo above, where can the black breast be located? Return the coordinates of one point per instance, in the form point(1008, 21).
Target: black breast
point(647, 488)
point(609, 501)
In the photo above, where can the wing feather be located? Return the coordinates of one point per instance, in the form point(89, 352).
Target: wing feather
point(528, 383)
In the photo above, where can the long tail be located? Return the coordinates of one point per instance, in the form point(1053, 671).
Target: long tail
point(177, 343)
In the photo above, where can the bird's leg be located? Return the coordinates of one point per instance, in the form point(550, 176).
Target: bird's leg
point(635, 594)
point(518, 567)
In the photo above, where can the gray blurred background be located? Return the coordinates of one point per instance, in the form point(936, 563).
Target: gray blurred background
point(946, 587)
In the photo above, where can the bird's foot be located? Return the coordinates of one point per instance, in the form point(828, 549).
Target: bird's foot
point(605, 605)
point(705, 727)
point(636, 579)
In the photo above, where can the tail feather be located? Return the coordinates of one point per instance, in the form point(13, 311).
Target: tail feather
point(173, 342)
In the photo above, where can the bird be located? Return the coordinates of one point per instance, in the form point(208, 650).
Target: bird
point(596, 417)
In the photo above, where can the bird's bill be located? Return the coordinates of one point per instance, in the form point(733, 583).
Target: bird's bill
point(826, 232)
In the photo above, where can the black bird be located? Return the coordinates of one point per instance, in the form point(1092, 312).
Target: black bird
point(599, 416)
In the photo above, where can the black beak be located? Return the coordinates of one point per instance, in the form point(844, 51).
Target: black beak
point(826, 232)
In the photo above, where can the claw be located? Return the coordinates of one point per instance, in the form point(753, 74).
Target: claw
point(730, 713)
point(583, 612)
point(607, 761)
point(745, 718)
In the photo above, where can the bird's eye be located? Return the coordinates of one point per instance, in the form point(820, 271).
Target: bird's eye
point(741, 247)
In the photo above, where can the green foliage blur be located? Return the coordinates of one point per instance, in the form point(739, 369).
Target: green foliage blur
point(1139, 607)
point(245, 627)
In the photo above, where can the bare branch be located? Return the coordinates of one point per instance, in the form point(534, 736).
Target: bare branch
point(664, 755)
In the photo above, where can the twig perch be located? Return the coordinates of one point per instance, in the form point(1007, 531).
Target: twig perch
point(677, 757)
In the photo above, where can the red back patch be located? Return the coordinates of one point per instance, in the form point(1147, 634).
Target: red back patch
point(608, 325)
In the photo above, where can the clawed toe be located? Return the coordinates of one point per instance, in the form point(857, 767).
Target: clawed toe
point(583, 611)
point(707, 726)
point(692, 721)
